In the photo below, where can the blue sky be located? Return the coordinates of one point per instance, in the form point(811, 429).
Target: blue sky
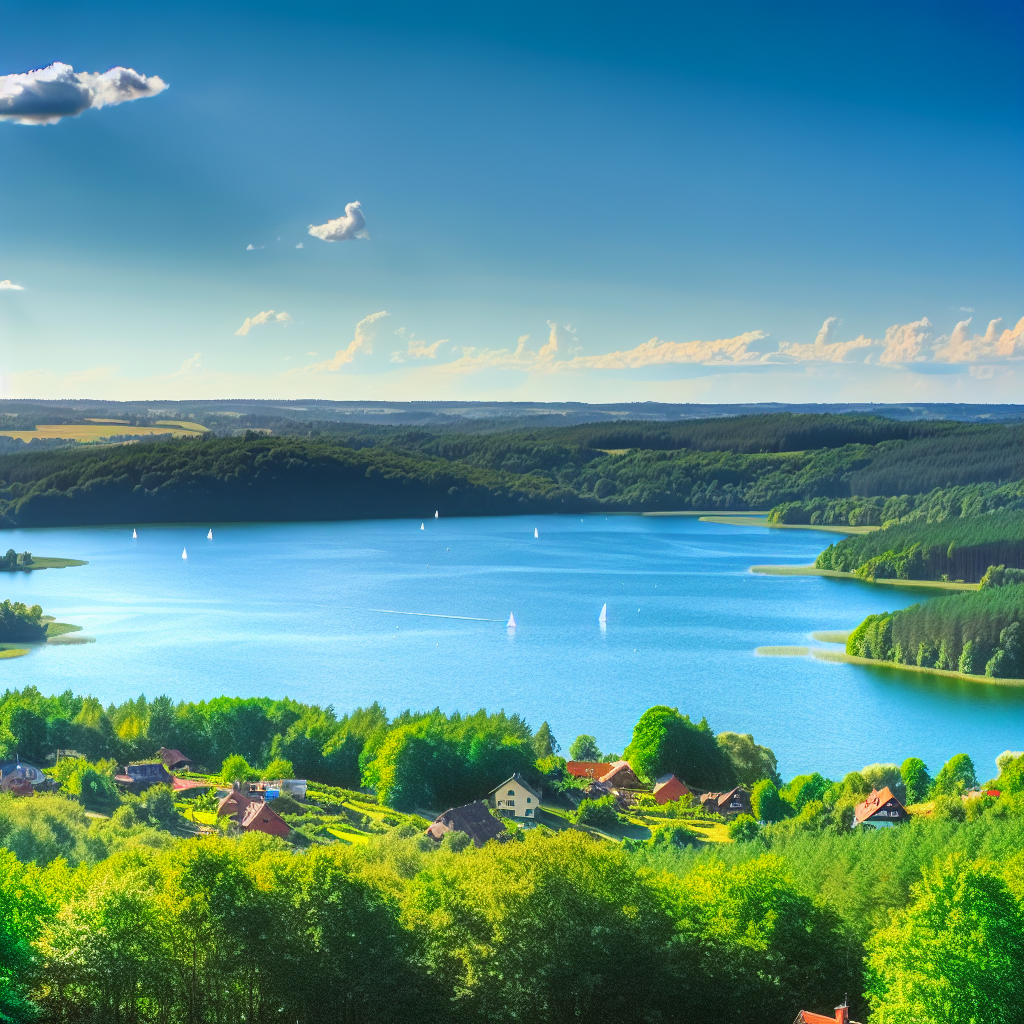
point(676, 202)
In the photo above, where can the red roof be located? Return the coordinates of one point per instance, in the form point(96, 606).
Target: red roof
point(806, 1017)
point(668, 787)
point(588, 769)
point(874, 803)
point(261, 817)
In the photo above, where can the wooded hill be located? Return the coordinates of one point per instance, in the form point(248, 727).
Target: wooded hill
point(377, 472)
point(956, 549)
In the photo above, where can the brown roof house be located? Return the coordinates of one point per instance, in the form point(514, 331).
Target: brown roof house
point(620, 776)
point(515, 798)
point(880, 810)
point(175, 760)
point(729, 805)
point(842, 1017)
point(474, 819)
point(259, 816)
point(668, 787)
point(234, 804)
point(588, 769)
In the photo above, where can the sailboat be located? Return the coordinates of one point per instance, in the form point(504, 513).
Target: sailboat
point(437, 515)
point(184, 553)
point(135, 536)
point(422, 527)
point(603, 617)
point(511, 621)
point(535, 533)
point(209, 536)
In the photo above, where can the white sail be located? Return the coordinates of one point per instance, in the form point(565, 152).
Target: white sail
point(422, 527)
point(135, 535)
point(511, 621)
point(603, 617)
point(437, 515)
point(535, 533)
point(184, 553)
point(209, 536)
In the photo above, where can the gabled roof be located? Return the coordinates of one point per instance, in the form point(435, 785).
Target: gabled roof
point(806, 1017)
point(670, 788)
point(874, 803)
point(617, 768)
point(588, 769)
point(474, 819)
point(259, 813)
point(171, 757)
point(234, 803)
point(722, 799)
point(522, 782)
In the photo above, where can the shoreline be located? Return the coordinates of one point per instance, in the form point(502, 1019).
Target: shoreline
point(753, 519)
point(849, 659)
point(810, 570)
point(42, 562)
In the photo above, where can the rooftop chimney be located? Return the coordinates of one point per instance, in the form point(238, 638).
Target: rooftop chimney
point(843, 1014)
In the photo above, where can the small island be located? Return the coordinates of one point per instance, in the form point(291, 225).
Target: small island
point(25, 561)
point(21, 624)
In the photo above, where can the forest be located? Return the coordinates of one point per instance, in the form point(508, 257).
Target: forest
point(118, 918)
point(961, 548)
point(369, 471)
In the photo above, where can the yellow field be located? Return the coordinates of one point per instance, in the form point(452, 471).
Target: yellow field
point(97, 431)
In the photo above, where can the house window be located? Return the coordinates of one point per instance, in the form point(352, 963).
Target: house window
point(529, 810)
point(511, 792)
point(529, 800)
point(510, 803)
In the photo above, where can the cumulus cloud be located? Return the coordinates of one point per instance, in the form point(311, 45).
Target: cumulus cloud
point(268, 317)
point(363, 340)
point(825, 350)
point(415, 348)
point(904, 343)
point(961, 347)
point(519, 358)
point(740, 350)
point(300, 246)
point(341, 229)
point(49, 94)
point(10, 286)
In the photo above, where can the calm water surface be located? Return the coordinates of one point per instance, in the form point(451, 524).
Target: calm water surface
point(306, 610)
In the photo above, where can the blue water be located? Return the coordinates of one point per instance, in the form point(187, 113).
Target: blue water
point(303, 610)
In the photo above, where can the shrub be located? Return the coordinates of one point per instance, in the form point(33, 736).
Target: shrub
point(279, 768)
point(236, 769)
point(744, 829)
point(598, 813)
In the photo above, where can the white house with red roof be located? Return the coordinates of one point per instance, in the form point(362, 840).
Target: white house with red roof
point(880, 810)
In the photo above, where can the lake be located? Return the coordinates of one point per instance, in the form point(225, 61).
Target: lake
point(310, 611)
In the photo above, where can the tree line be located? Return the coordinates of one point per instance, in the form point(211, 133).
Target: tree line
point(387, 472)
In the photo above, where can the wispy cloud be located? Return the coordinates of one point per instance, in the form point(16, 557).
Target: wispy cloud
point(824, 349)
point(342, 229)
point(191, 365)
point(520, 358)
point(415, 348)
point(49, 94)
point(966, 309)
point(10, 286)
point(363, 340)
point(961, 347)
point(267, 317)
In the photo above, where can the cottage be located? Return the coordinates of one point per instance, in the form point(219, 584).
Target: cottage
point(728, 805)
point(261, 817)
point(515, 798)
point(474, 819)
point(621, 777)
point(234, 804)
point(34, 776)
point(588, 769)
point(880, 810)
point(137, 778)
point(668, 788)
point(175, 760)
point(842, 1017)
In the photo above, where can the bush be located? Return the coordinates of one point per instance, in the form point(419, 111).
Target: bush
point(598, 813)
point(279, 768)
point(744, 829)
point(236, 769)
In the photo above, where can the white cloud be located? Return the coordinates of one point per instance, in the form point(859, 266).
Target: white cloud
point(341, 229)
point(192, 364)
point(742, 349)
point(363, 339)
point(543, 360)
point(904, 342)
point(824, 349)
point(46, 95)
point(268, 317)
point(415, 348)
point(966, 309)
point(250, 247)
point(10, 286)
point(300, 246)
point(960, 347)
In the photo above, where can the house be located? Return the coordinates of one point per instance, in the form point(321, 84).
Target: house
point(474, 819)
point(261, 817)
point(19, 769)
point(16, 782)
point(620, 776)
point(728, 805)
point(668, 788)
point(880, 810)
point(234, 804)
point(137, 778)
point(842, 1017)
point(588, 769)
point(515, 798)
point(175, 760)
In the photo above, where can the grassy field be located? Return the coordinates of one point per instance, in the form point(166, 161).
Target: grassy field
point(13, 652)
point(40, 562)
point(86, 432)
point(849, 659)
point(832, 636)
point(810, 570)
point(782, 652)
point(60, 628)
point(709, 512)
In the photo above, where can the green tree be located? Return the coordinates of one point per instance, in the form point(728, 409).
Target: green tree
point(954, 955)
point(767, 803)
point(665, 741)
point(744, 829)
point(236, 769)
point(805, 789)
point(278, 768)
point(584, 748)
point(751, 762)
point(956, 777)
point(878, 776)
point(544, 742)
point(916, 780)
point(29, 731)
